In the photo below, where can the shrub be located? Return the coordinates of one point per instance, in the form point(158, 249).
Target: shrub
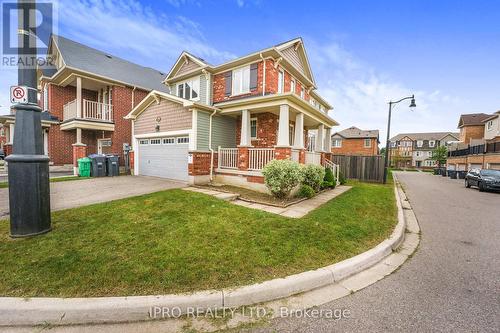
point(329, 178)
point(281, 176)
point(313, 176)
point(306, 191)
point(325, 185)
point(342, 179)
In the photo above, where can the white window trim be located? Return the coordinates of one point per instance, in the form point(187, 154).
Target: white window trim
point(155, 142)
point(256, 128)
point(240, 91)
point(293, 85)
point(433, 143)
point(169, 143)
point(489, 125)
point(420, 143)
point(143, 142)
point(191, 81)
point(180, 138)
point(281, 82)
point(369, 143)
point(337, 143)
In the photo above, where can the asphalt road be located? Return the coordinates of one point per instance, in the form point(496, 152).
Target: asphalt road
point(452, 282)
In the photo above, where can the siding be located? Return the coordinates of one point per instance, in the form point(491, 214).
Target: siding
point(186, 67)
point(173, 116)
point(223, 131)
point(293, 57)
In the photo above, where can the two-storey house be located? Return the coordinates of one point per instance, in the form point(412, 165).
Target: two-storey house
point(85, 96)
point(354, 141)
point(227, 121)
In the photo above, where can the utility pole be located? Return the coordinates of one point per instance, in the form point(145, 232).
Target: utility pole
point(29, 192)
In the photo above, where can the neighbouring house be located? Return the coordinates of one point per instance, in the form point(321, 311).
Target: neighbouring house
point(3, 137)
point(479, 146)
point(414, 150)
point(85, 96)
point(225, 122)
point(354, 141)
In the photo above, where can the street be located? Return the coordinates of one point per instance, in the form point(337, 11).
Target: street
point(452, 283)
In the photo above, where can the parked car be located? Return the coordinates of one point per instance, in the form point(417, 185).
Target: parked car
point(2, 154)
point(484, 179)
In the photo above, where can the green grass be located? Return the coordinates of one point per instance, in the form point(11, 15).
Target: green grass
point(178, 241)
point(52, 180)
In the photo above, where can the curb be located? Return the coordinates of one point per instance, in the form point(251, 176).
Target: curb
point(16, 311)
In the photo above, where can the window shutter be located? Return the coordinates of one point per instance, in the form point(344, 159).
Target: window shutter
point(228, 78)
point(253, 76)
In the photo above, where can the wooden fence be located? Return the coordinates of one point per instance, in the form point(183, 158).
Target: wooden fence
point(364, 168)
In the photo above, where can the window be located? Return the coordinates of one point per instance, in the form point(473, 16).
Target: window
point(417, 154)
point(292, 86)
point(189, 89)
point(45, 97)
point(253, 128)
point(168, 141)
point(241, 80)
point(489, 125)
point(337, 143)
point(143, 142)
point(183, 139)
point(281, 81)
point(302, 91)
point(291, 134)
point(420, 143)
point(155, 141)
point(394, 144)
point(429, 153)
point(368, 143)
point(432, 143)
point(311, 142)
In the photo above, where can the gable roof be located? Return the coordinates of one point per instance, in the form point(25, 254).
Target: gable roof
point(425, 136)
point(493, 116)
point(183, 60)
point(84, 58)
point(356, 133)
point(295, 52)
point(472, 119)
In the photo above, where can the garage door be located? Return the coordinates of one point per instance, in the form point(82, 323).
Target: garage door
point(164, 157)
point(495, 166)
point(475, 166)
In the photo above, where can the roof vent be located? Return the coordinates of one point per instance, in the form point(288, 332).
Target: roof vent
point(109, 56)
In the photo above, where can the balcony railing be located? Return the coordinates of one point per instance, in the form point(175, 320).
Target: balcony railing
point(259, 157)
point(487, 148)
point(91, 110)
point(313, 158)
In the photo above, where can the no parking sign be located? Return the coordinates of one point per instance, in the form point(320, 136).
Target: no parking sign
point(19, 94)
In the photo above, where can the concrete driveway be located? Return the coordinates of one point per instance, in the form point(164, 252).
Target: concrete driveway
point(77, 193)
point(451, 284)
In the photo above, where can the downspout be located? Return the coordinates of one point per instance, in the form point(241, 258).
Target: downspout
point(210, 146)
point(263, 75)
point(133, 96)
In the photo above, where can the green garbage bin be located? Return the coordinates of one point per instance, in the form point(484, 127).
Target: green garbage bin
point(84, 167)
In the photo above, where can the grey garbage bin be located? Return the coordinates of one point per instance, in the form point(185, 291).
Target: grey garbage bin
point(98, 162)
point(112, 165)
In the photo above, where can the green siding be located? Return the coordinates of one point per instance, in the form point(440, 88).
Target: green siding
point(223, 131)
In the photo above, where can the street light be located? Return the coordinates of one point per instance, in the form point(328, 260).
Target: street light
point(391, 103)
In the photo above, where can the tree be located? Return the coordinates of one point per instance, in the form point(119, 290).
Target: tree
point(440, 154)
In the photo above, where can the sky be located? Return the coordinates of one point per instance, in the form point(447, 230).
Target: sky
point(363, 53)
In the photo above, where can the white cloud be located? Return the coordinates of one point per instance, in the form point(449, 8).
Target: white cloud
point(360, 95)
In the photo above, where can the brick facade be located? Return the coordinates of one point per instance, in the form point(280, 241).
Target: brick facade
point(79, 151)
point(356, 147)
point(468, 133)
point(201, 163)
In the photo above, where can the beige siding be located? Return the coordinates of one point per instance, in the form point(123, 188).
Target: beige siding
point(173, 116)
point(293, 57)
point(186, 67)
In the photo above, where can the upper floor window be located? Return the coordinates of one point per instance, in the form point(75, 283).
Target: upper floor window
point(253, 128)
point(368, 143)
point(189, 89)
point(241, 80)
point(417, 154)
point(292, 86)
point(281, 81)
point(336, 143)
point(420, 143)
point(394, 144)
point(489, 125)
point(432, 143)
point(302, 92)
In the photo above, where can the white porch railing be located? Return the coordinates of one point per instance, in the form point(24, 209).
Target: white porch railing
point(334, 167)
point(259, 157)
point(90, 110)
point(228, 158)
point(295, 155)
point(313, 157)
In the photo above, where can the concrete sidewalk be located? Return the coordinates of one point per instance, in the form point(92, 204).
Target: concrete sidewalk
point(78, 193)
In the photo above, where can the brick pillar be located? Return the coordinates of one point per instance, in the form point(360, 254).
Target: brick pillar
point(243, 158)
point(323, 157)
point(131, 161)
point(7, 149)
point(302, 156)
point(79, 151)
point(282, 153)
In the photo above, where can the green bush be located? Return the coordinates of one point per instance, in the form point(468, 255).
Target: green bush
point(306, 191)
point(281, 176)
point(313, 175)
point(329, 178)
point(342, 179)
point(325, 185)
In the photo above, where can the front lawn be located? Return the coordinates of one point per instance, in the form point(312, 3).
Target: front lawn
point(178, 241)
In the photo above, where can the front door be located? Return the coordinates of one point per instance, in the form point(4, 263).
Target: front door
point(104, 146)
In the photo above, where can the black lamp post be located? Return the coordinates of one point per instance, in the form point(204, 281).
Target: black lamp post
point(391, 103)
point(29, 193)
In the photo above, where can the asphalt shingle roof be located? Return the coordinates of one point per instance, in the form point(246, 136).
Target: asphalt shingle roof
point(473, 119)
point(424, 136)
point(88, 59)
point(356, 133)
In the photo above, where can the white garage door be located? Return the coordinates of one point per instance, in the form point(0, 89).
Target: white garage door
point(164, 157)
point(495, 166)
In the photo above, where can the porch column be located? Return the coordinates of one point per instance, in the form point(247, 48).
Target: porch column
point(320, 138)
point(78, 136)
point(245, 139)
point(283, 127)
point(328, 140)
point(78, 97)
point(46, 142)
point(11, 133)
point(299, 131)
